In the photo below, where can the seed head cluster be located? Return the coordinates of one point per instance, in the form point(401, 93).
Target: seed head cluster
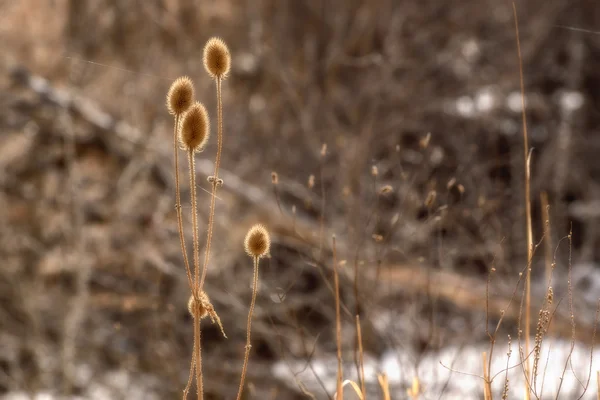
point(217, 59)
point(180, 96)
point(257, 241)
point(194, 130)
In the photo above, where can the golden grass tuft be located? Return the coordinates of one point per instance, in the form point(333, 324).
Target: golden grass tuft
point(194, 131)
point(257, 242)
point(180, 96)
point(217, 59)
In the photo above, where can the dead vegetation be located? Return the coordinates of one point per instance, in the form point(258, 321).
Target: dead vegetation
point(389, 124)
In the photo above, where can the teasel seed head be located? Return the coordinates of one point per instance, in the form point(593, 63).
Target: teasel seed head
point(180, 96)
point(217, 59)
point(257, 241)
point(194, 130)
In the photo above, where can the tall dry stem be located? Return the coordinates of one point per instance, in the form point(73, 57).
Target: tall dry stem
point(249, 328)
point(197, 339)
point(527, 208)
point(338, 326)
point(361, 358)
point(215, 183)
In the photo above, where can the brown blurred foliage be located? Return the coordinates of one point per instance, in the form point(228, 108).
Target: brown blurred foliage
point(87, 199)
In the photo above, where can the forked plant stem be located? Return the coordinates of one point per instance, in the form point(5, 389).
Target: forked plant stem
point(249, 328)
point(195, 291)
point(213, 195)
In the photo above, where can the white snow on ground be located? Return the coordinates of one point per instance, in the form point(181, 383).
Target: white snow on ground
point(439, 382)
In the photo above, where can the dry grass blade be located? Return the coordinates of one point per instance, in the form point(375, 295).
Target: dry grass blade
point(361, 357)
point(385, 387)
point(354, 386)
point(527, 204)
point(338, 325)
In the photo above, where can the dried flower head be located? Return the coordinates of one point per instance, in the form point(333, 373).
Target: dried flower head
point(257, 242)
point(194, 130)
point(180, 96)
point(217, 59)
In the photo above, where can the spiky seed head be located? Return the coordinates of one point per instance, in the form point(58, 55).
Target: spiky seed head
point(194, 130)
point(199, 309)
point(217, 59)
point(180, 96)
point(257, 241)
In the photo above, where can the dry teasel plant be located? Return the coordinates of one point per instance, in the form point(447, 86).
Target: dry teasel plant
point(189, 129)
point(193, 135)
point(192, 132)
point(257, 244)
point(217, 62)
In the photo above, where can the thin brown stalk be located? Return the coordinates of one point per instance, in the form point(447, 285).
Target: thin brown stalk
point(198, 357)
point(587, 383)
point(186, 391)
point(197, 344)
point(338, 326)
point(361, 358)
point(249, 328)
point(186, 261)
point(508, 354)
point(487, 317)
point(192, 165)
point(527, 203)
point(213, 196)
point(571, 311)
